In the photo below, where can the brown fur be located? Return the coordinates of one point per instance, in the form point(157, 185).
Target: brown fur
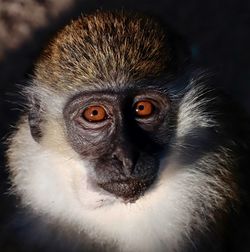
point(110, 47)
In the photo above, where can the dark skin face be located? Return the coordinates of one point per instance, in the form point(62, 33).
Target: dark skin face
point(123, 135)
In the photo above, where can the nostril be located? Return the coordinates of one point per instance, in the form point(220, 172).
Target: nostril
point(116, 158)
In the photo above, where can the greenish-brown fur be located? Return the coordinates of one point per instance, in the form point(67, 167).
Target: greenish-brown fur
point(104, 47)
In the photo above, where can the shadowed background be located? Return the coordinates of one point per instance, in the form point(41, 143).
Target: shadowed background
point(218, 34)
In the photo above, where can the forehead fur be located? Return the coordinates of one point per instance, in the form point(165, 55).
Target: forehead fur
point(104, 47)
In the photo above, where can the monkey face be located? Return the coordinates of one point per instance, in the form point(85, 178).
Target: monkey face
point(94, 99)
point(116, 133)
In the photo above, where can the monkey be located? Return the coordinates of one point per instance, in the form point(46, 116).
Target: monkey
point(124, 146)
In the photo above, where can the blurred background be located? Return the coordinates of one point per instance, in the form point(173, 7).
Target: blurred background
point(218, 34)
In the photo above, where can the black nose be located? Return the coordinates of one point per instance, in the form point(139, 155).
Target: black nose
point(126, 174)
point(126, 157)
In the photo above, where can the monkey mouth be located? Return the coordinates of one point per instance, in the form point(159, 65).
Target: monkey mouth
point(129, 190)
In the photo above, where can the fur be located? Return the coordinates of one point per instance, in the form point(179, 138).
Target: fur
point(105, 48)
point(197, 185)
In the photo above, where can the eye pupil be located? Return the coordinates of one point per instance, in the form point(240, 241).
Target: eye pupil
point(95, 113)
point(141, 107)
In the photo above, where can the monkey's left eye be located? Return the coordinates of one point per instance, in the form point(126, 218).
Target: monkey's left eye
point(94, 114)
point(144, 108)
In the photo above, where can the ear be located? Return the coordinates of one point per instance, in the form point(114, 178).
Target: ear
point(35, 117)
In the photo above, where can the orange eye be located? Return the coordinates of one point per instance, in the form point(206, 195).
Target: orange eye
point(94, 114)
point(144, 109)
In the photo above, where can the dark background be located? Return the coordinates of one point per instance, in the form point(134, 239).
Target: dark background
point(218, 33)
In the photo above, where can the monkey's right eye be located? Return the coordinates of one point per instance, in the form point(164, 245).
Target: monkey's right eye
point(94, 114)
